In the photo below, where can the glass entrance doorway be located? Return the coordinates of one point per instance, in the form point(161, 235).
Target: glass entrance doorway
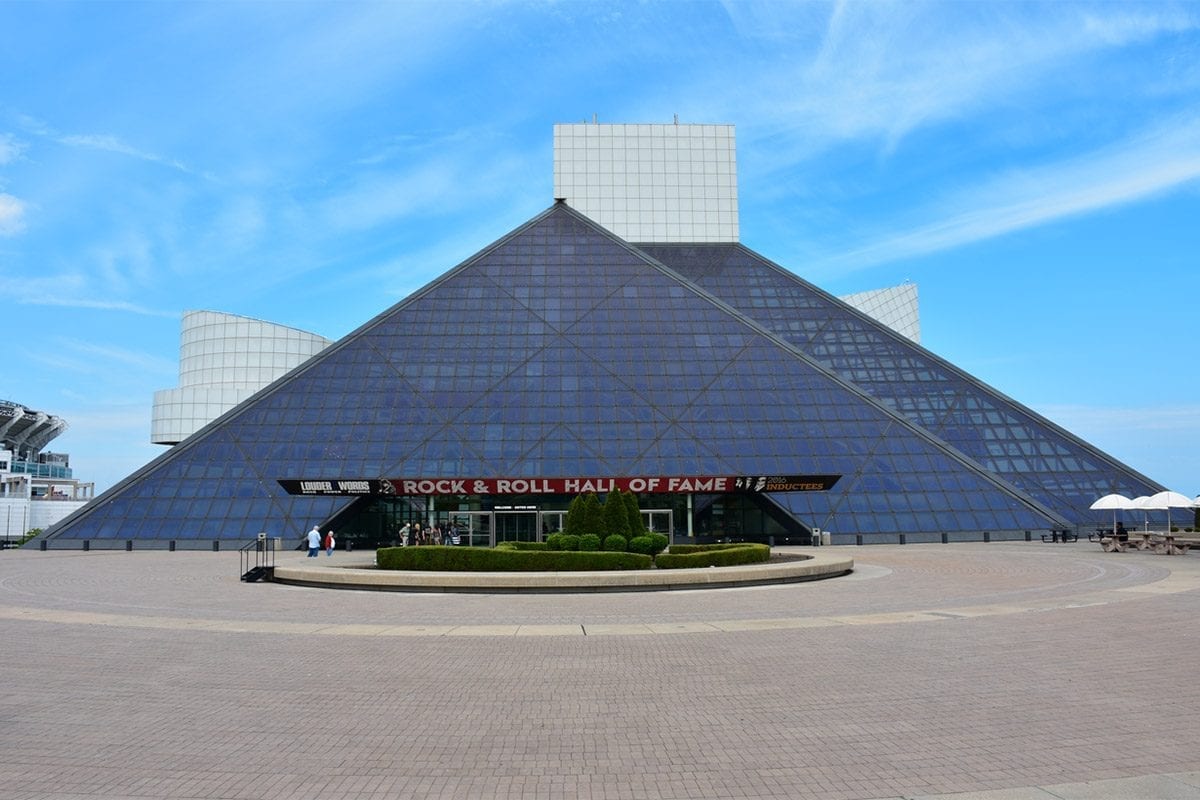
point(474, 528)
point(658, 520)
point(516, 526)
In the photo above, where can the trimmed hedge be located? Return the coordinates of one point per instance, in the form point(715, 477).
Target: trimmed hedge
point(616, 543)
point(522, 546)
point(440, 558)
point(722, 555)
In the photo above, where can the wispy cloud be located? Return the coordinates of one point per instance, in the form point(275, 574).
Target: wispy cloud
point(114, 356)
point(12, 215)
point(1125, 418)
point(884, 70)
point(112, 144)
point(90, 141)
point(10, 148)
point(1155, 161)
point(68, 291)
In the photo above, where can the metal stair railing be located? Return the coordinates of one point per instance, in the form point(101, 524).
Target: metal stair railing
point(257, 559)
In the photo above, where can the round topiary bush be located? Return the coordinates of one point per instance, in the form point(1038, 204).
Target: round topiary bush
point(660, 542)
point(570, 541)
point(589, 542)
point(616, 543)
point(555, 541)
point(642, 544)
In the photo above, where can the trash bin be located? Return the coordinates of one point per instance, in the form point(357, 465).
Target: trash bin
point(826, 538)
point(816, 537)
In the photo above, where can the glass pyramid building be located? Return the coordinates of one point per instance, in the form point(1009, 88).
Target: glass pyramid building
point(563, 350)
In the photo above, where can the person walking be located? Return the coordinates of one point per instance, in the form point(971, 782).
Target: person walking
point(314, 542)
point(329, 543)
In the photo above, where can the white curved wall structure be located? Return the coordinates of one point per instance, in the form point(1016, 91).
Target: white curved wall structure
point(895, 307)
point(223, 359)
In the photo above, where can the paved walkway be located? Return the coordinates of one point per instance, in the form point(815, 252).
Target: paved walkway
point(1007, 671)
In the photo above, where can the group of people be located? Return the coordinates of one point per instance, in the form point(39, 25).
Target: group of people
point(438, 533)
point(411, 534)
point(317, 542)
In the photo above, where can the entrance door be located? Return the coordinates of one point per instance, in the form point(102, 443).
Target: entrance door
point(552, 522)
point(474, 527)
point(658, 520)
point(516, 526)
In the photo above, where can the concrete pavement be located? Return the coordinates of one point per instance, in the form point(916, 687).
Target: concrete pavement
point(1006, 671)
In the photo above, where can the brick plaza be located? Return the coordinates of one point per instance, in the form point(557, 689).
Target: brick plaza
point(1005, 671)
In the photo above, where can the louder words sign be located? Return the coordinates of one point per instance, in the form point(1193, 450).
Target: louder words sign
point(673, 484)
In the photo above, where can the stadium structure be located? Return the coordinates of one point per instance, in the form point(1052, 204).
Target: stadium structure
point(622, 337)
point(37, 487)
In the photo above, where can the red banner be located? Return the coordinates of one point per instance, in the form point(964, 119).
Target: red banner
point(673, 484)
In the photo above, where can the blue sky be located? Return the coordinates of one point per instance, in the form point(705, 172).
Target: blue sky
point(1034, 168)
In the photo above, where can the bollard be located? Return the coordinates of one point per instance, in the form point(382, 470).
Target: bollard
point(987, 536)
point(43, 543)
point(129, 545)
point(171, 546)
point(87, 544)
point(349, 545)
point(1028, 536)
point(902, 538)
point(216, 545)
point(858, 539)
point(945, 538)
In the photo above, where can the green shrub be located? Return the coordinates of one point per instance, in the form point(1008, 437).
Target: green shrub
point(478, 559)
point(714, 556)
point(573, 520)
point(637, 527)
point(570, 542)
point(616, 519)
point(616, 543)
point(527, 545)
point(555, 541)
point(680, 549)
point(660, 542)
point(641, 544)
point(589, 543)
point(32, 532)
point(592, 517)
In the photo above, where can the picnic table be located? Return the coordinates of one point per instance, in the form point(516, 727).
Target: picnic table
point(1161, 543)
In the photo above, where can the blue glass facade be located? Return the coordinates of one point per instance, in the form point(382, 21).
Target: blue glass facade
point(1045, 462)
point(562, 350)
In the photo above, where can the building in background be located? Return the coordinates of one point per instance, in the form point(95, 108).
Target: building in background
point(37, 488)
point(651, 346)
point(895, 306)
point(224, 359)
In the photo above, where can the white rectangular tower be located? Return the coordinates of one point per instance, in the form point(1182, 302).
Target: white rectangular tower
point(650, 183)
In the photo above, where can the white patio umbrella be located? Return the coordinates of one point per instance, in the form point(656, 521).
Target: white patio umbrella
point(1168, 500)
point(1114, 501)
point(1141, 503)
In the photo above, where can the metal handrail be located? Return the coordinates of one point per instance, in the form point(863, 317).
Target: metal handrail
point(261, 552)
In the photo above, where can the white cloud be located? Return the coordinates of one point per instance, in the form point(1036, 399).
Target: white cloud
point(12, 215)
point(114, 357)
point(1126, 418)
point(68, 290)
point(114, 145)
point(884, 70)
point(10, 148)
point(1158, 160)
